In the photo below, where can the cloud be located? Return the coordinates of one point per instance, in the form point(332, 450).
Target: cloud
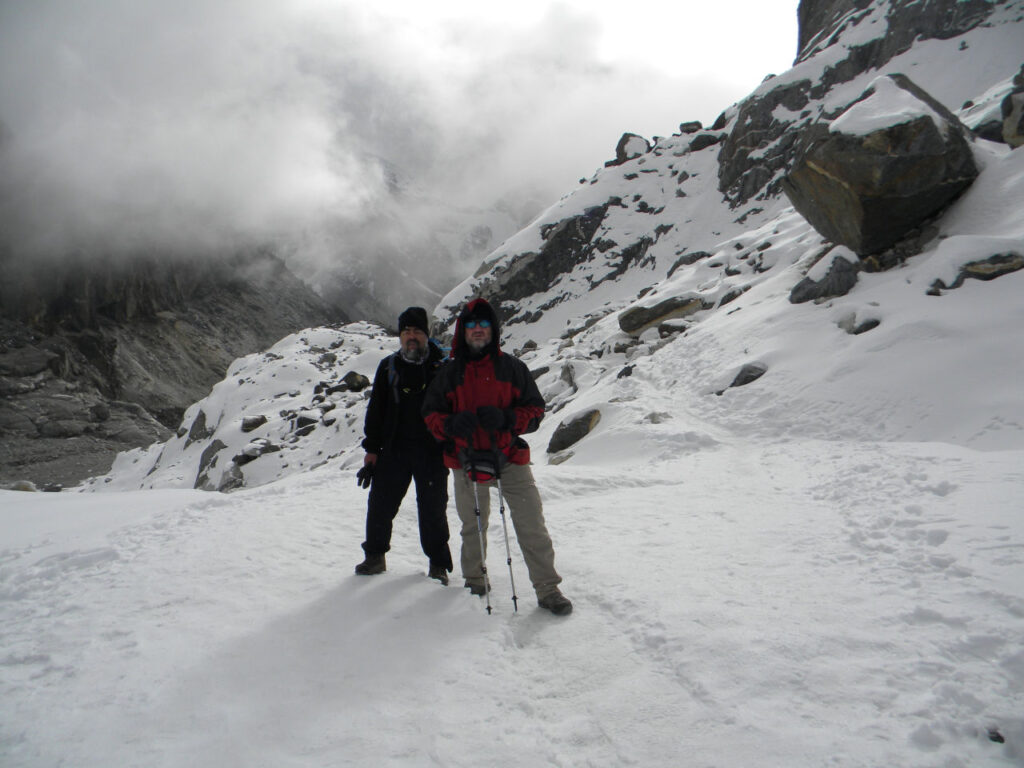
point(130, 126)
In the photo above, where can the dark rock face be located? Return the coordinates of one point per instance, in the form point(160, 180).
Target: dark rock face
point(103, 357)
point(816, 18)
point(867, 191)
point(757, 129)
point(907, 21)
point(567, 243)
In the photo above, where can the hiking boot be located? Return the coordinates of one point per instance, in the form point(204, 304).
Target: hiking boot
point(555, 602)
point(373, 564)
point(475, 588)
point(438, 572)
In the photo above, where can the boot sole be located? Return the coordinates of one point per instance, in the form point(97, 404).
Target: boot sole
point(559, 611)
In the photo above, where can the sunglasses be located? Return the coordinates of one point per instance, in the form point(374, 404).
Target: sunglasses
point(475, 323)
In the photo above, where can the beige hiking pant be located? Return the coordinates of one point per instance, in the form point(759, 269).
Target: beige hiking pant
point(523, 505)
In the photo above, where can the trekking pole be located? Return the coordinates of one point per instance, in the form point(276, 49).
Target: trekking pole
point(504, 530)
point(479, 526)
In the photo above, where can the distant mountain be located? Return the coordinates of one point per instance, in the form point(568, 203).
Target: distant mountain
point(99, 356)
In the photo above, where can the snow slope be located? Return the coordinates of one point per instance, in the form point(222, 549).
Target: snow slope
point(739, 601)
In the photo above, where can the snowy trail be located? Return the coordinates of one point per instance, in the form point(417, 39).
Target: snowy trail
point(788, 604)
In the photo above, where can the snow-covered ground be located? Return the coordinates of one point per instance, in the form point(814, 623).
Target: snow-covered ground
point(739, 601)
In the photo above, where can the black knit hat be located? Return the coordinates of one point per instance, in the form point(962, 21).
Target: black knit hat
point(414, 317)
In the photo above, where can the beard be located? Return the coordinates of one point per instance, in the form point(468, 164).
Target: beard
point(412, 352)
point(477, 347)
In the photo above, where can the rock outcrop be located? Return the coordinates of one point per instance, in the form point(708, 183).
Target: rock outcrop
point(630, 146)
point(881, 168)
point(760, 142)
point(636, 320)
point(573, 430)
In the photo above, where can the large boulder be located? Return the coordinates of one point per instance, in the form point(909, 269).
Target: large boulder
point(630, 146)
point(636, 320)
point(885, 165)
point(573, 430)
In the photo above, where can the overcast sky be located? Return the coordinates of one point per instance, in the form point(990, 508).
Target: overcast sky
point(124, 121)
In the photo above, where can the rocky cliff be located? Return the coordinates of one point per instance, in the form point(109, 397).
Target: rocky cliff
point(99, 356)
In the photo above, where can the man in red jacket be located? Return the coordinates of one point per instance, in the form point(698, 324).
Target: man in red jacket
point(479, 405)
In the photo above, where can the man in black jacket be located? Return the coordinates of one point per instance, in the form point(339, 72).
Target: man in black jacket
point(400, 449)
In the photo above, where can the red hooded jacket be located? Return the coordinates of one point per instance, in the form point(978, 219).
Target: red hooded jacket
point(469, 382)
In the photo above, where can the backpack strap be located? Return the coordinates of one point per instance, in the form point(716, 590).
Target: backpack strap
point(393, 376)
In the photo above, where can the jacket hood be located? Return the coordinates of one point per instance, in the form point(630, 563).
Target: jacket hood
point(480, 310)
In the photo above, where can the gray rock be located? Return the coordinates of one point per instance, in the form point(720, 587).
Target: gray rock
point(356, 382)
point(572, 431)
point(705, 140)
point(198, 431)
point(26, 361)
point(630, 146)
point(636, 320)
point(868, 191)
point(839, 281)
point(748, 374)
point(231, 480)
point(22, 485)
point(207, 461)
point(985, 269)
point(63, 428)
point(251, 423)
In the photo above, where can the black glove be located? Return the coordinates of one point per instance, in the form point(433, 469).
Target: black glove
point(461, 424)
point(491, 418)
point(364, 475)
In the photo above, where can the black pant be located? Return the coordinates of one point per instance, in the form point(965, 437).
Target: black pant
point(395, 469)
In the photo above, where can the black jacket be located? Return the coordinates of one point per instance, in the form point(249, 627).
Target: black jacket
point(393, 414)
